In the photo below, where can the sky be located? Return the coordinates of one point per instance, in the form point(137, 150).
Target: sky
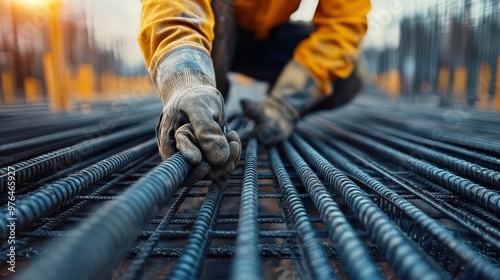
point(115, 22)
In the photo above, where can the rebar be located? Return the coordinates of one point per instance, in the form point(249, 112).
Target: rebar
point(41, 202)
point(112, 229)
point(350, 247)
point(478, 194)
point(365, 192)
point(246, 263)
point(481, 267)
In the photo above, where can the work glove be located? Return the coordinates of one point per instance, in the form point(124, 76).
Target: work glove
point(294, 94)
point(193, 121)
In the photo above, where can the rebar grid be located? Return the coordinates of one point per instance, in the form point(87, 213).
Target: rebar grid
point(363, 193)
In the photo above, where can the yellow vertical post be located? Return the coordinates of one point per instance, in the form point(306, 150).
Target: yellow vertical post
point(497, 89)
point(31, 90)
point(56, 42)
point(444, 80)
point(460, 84)
point(393, 84)
point(50, 81)
point(483, 90)
point(8, 87)
point(86, 82)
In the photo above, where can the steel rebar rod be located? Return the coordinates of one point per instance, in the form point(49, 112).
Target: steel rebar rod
point(79, 133)
point(476, 225)
point(316, 258)
point(64, 216)
point(471, 142)
point(99, 243)
point(476, 172)
point(246, 264)
point(41, 202)
point(480, 195)
point(480, 266)
point(400, 249)
point(190, 262)
point(350, 248)
point(137, 267)
point(42, 165)
point(486, 160)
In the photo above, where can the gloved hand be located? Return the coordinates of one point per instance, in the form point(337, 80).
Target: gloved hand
point(193, 122)
point(294, 94)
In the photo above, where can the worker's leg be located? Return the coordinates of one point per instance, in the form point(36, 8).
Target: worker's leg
point(264, 59)
point(224, 42)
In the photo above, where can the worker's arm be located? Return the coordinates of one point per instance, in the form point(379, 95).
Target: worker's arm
point(328, 54)
point(175, 37)
point(331, 50)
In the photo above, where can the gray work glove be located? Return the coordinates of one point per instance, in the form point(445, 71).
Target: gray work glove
point(294, 94)
point(193, 121)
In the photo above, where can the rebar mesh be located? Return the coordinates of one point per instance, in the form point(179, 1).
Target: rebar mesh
point(365, 192)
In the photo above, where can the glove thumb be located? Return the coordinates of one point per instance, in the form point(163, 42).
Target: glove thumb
point(251, 108)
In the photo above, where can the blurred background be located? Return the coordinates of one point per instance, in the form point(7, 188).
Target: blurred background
point(66, 52)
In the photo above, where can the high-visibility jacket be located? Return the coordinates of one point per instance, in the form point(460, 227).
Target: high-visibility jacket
point(329, 53)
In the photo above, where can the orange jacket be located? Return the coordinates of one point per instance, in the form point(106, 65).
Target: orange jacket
point(329, 53)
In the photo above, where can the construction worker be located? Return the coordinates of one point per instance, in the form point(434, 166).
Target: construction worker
point(190, 45)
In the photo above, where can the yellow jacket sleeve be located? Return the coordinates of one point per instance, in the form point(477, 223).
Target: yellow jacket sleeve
point(331, 50)
point(169, 25)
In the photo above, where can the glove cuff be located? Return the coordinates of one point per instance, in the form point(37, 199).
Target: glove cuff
point(182, 69)
point(297, 88)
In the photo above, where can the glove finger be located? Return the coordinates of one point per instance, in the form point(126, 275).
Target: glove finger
point(166, 143)
point(232, 136)
point(212, 140)
point(251, 108)
point(197, 173)
point(187, 144)
point(235, 151)
point(221, 173)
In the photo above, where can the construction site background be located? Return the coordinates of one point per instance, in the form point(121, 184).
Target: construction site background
point(67, 52)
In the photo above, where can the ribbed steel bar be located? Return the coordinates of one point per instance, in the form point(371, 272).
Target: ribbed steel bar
point(190, 262)
point(99, 243)
point(45, 164)
point(353, 253)
point(246, 263)
point(39, 150)
point(485, 160)
point(41, 202)
point(76, 134)
point(399, 250)
point(480, 267)
point(58, 221)
point(181, 233)
point(315, 256)
point(137, 267)
point(486, 216)
point(467, 141)
point(473, 171)
point(476, 225)
point(480, 195)
point(26, 188)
